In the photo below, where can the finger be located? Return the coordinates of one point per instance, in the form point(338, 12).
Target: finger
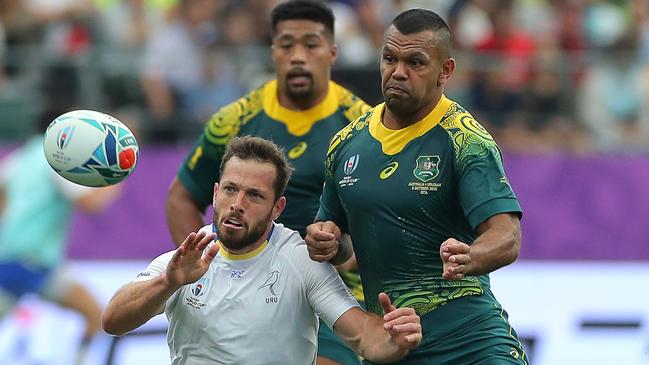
point(406, 328)
point(401, 315)
point(197, 239)
point(205, 241)
point(190, 237)
point(211, 252)
point(320, 236)
point(323, 248)
point(414, 339)
point(462, 259)
point(386, 303)
point(397, 323)
point(452, 275)
point(331, 227)
point(175, 259)
point(321, 258)
point(322, 245)
point(448, 242)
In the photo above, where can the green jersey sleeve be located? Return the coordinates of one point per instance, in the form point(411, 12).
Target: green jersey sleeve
point(200, 170)
point(483, 186)
point(331, 209)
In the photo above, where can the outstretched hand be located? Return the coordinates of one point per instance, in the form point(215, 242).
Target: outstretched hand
point(455, 257)
point(189, 262)
point(322, 240)
point(401, 323)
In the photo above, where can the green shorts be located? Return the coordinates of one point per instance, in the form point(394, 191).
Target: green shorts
point(333, 347)
point(469, 330)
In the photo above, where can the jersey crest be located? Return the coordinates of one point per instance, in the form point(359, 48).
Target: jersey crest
point(427, 168)
point(273, 278)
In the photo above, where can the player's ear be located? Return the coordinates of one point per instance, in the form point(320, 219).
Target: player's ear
point(334, 52)
point(448, 66)
point(279, 206)
point(216, 189)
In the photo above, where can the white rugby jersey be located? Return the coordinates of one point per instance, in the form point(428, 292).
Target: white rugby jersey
point(257, 308)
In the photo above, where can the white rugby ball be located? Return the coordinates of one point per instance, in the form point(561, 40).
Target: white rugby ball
point(90, 148)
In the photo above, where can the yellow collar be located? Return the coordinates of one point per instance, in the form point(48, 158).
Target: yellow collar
point(394, 140)
point(243, 256)
point(299, 122)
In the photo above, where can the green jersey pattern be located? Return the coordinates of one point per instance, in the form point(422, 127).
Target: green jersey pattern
point(400, 194)
point(304, 136)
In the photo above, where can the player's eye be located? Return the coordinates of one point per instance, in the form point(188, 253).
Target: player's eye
point(388, 58)
point(255, 195)
point(416, 62)
point(229, 189)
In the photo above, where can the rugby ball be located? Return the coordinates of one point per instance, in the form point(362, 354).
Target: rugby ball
point(90, 148)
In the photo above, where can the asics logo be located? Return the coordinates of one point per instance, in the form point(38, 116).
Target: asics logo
point(389, 170)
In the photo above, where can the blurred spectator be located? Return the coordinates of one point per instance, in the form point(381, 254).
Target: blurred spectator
point(66, 26)
point(506, 53)
point(183, 78)
point(614, 101)
point(126, 26)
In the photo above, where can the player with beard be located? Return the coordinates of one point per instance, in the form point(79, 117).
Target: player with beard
point(253, 296)
point(301, 111)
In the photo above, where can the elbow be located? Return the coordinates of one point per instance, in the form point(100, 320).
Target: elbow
point(515, 246)
point(110, 325)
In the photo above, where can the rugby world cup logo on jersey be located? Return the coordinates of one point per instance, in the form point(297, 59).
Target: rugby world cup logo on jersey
point(351, 164)
point(198, 289)
point(427, 168)
point(64, 137)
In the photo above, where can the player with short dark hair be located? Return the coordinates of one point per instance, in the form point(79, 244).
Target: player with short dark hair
point(300, 110)
point(420, 187)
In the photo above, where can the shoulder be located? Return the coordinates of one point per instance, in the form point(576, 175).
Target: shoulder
point(288, 241)
point(225, 123)
point(469, 137)
point(354, 128)
point(292, 246)
point(351, 105)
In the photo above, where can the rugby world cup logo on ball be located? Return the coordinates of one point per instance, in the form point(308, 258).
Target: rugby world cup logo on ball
point(90, 148)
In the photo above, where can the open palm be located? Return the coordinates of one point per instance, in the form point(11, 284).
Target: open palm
point(190, 263)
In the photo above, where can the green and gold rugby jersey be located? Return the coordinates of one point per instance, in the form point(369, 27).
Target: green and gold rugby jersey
point(304, 135)
point(401, 193)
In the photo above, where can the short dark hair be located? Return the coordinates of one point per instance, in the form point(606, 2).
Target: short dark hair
point(419, 20)
point(313, 10)
point(258, 149)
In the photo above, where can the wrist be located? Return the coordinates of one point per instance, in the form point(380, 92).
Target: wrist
point(167, 284)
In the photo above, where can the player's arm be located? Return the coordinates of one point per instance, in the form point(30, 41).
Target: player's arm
point(380, 340)
point(183, 213)
point(326, 243)
point(137, 302)
point(96, 200)
point(88, 200)
point(134, 304)
point(497, 245)
point(325, 239)
point(489, 205)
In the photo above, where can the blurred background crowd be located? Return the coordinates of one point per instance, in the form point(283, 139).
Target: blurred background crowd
point(544, 76)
